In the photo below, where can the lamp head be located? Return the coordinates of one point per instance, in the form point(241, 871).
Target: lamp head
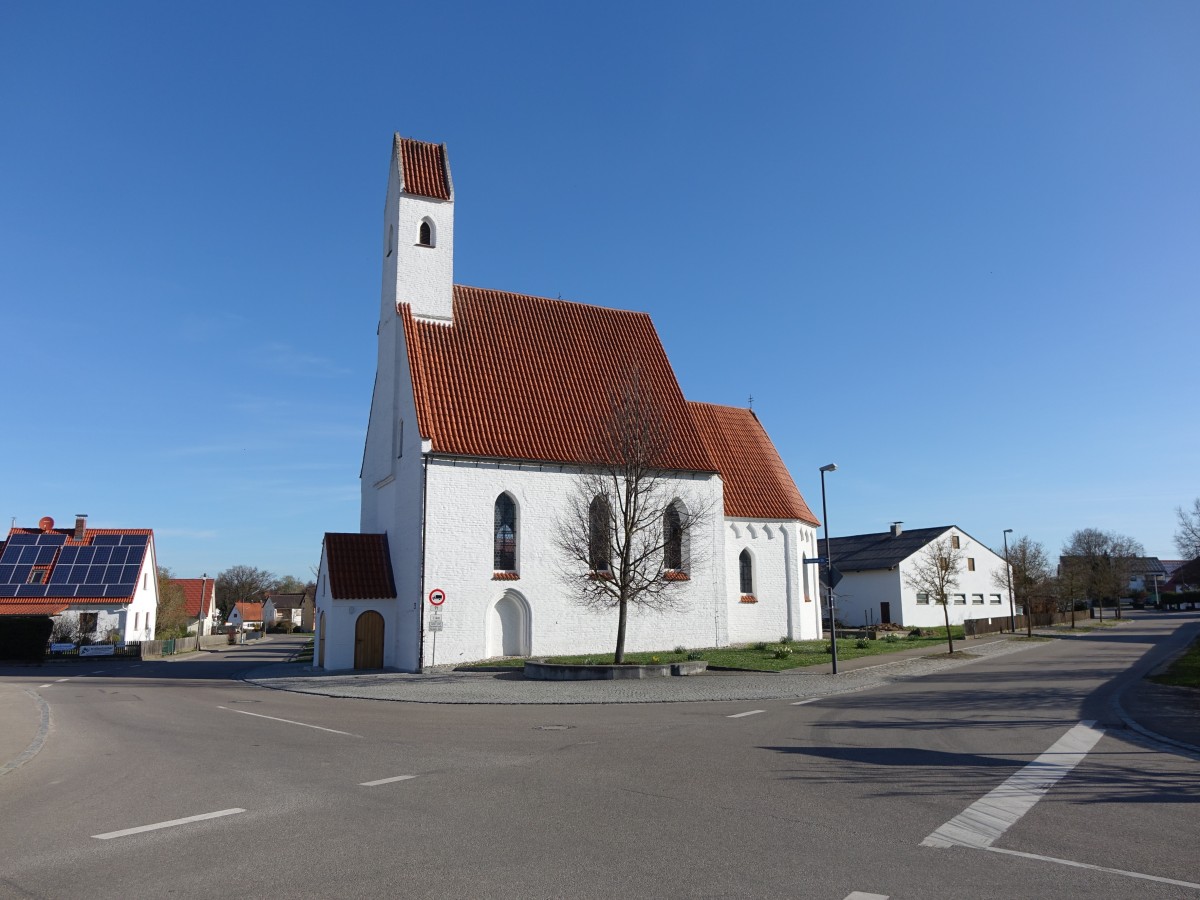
point(832, 467)
point(1008, 531)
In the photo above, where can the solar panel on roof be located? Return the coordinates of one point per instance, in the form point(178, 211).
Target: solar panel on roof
point(18, 540)
point(45, 555)
point(51, 539)
point(119, 556)
point(101, 540)
point(6, 573)
point(20, 574)
point(31, 590)
point(101, 555)
point(67, 555)
point(8, 590)
point(135, 540)
point(129, 575)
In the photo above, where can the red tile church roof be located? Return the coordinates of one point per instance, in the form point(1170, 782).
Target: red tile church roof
point(757, 483)
point(519, 377)
point(424, 168)
point(359, 566)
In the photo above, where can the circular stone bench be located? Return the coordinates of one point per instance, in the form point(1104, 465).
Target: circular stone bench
point(544, 671)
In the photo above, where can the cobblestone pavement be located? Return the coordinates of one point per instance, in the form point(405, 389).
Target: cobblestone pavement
point(514, 688)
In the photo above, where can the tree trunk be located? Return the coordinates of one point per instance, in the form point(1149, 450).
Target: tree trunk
point(946, 612)
point(622, 615)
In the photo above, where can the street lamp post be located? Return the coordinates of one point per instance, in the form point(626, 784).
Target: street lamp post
point(832, 467)
point(1012, 612)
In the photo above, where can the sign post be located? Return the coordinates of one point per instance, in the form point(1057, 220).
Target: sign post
point(436, 598)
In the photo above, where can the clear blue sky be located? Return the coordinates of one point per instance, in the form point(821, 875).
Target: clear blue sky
point(952, 247)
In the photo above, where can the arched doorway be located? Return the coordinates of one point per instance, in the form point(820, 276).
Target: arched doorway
point(368, 641)
point(508, 632)
point(321, 641)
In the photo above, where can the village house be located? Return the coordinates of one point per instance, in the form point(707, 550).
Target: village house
point(97, 583)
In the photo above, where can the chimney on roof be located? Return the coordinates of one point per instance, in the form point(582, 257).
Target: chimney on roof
point(80, 525)
point(896, 529)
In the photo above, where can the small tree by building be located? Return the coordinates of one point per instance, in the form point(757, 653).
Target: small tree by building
point(1187, 538)
point(1030, 578)
point(627, 538)
point(171, 618)
point(935, 572)
point(239, 584)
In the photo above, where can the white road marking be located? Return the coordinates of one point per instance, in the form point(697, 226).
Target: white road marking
point(860, 895)
point(288, 721)
point(40, 686)
point(814, 700)
point(985, 820)
point(138, 666)
point(753, 712)
point(61, 680)
point(1080, 865)
point(128, 831)
point(385, 780)
point(97, 672)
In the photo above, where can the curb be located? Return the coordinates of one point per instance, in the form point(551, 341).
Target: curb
point(39, 739)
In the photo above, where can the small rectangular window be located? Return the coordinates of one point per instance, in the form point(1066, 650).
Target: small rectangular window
point(923, 598)
point(145, 581)
point(136, 616)
point(970, 564)
point(954, 541)
point(995, 598)
point(977, 599)
point(960, 599)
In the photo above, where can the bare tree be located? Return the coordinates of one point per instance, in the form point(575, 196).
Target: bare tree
point(1187, 538)
point(627, 538)
point(240, 583)
point(935, 573)
point(1102, 562)
point(1030, 578)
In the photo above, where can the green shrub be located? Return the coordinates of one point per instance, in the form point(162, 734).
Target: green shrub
point(915, 633)
point(782, 652)
point(785, 640)
point(761, 645)
point(681, 649)
point(695, 654)
point(891, 638)
point(913, 637)
point(862, 644)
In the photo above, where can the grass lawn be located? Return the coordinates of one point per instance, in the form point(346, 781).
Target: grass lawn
point(761, 658)
point(1185, 671)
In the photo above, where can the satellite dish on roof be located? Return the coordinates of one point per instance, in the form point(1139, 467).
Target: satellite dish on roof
point(46, 523)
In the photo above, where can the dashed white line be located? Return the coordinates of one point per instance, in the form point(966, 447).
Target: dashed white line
point(1080, 865)
point(985, 820)
point(860, 895)
point(61, 680)
point(288, 721)
point(385, 780)
point(40, 686)
point(171, 824)
point(814, 700)
point(753, 712)
point(97, 672)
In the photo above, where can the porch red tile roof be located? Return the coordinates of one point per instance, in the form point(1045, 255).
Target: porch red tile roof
point(192, 594)
point(360, 566)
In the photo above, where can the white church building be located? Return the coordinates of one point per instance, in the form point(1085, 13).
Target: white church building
point(487, 408)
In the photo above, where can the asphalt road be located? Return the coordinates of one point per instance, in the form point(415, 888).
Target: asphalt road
point(705, 799)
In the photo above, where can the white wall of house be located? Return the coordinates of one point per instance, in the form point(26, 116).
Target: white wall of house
point(977, 596)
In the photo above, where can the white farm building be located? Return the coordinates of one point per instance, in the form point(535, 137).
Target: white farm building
point(488, 407)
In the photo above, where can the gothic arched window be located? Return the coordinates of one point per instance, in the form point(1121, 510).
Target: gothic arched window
point(426, 236)
point(746, 572)
point(599, 535)
point(505, 535)
point(672, 539)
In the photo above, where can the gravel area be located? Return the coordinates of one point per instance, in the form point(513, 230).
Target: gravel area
point(514, 688)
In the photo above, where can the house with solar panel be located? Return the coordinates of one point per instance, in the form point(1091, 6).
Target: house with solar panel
point(487, 408)
point(99, 580)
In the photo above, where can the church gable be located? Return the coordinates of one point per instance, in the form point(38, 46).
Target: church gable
point(424, 168)
point(757, 483)
point(519, 377)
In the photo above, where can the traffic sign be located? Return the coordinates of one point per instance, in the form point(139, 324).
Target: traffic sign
point(437, 597)
point(434, 622)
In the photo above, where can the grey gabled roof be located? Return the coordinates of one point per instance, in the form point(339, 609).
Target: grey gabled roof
point(862, 552)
